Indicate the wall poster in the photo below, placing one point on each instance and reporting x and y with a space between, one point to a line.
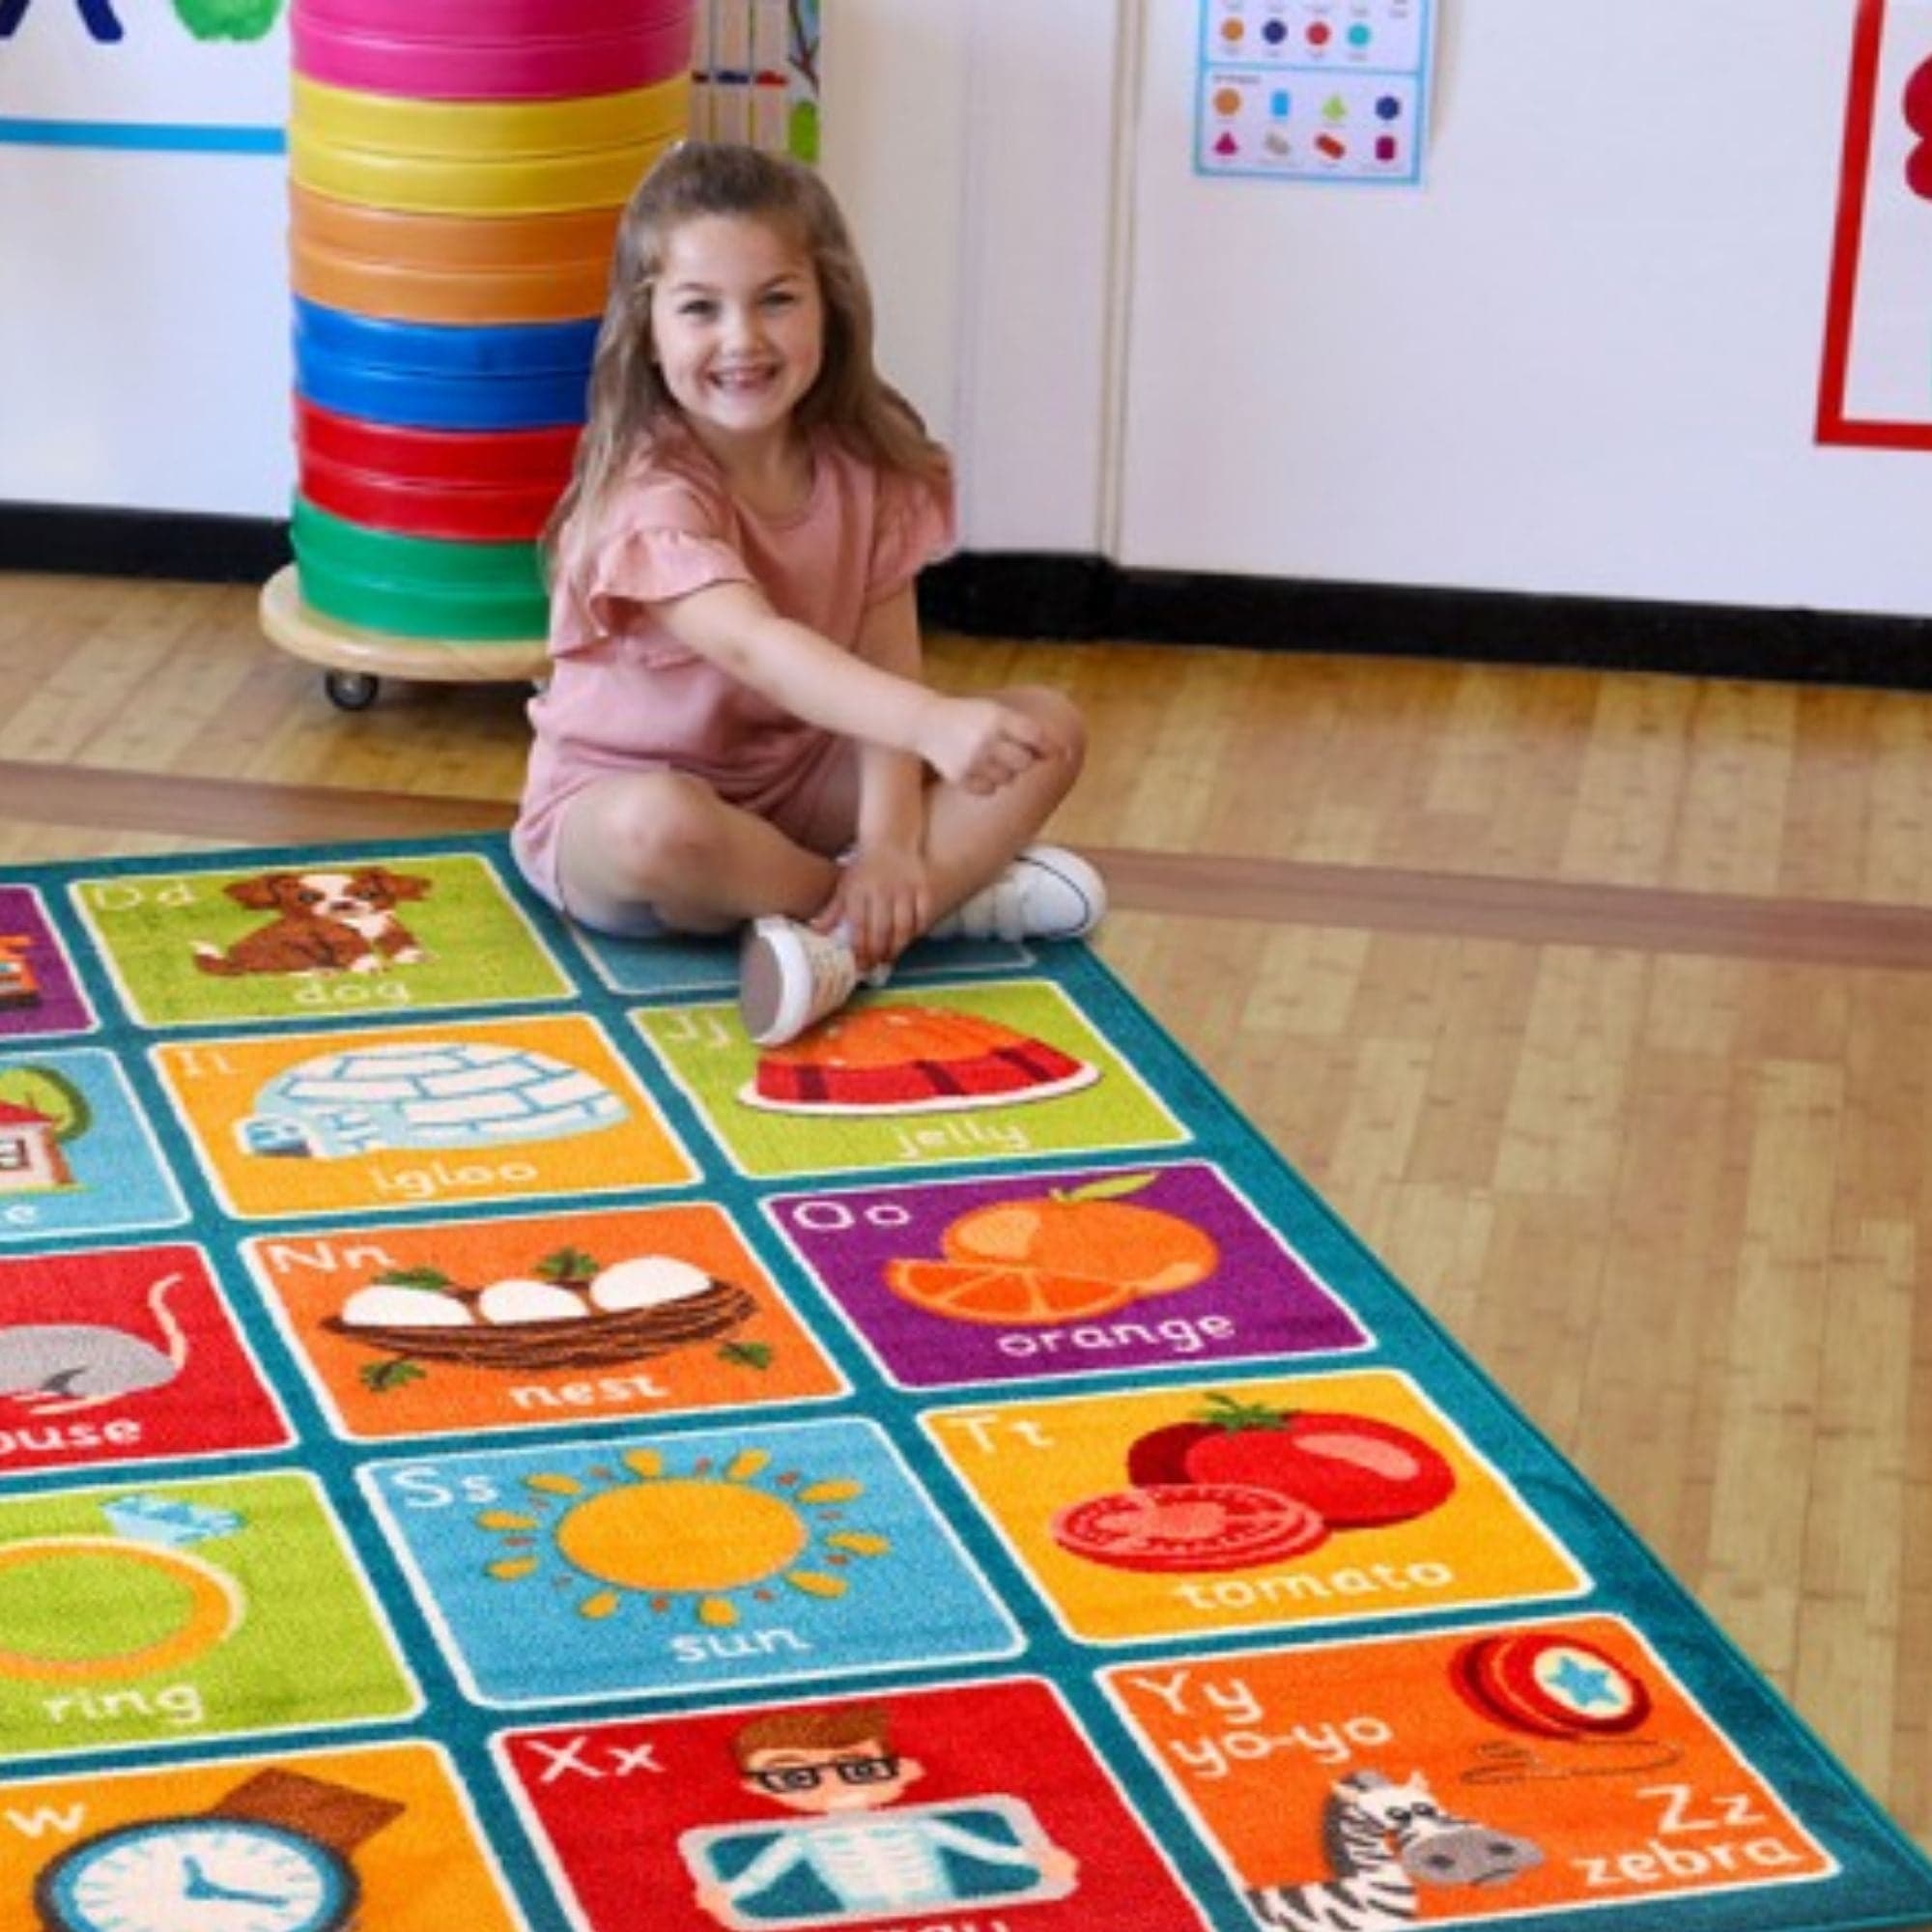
213 75
755 64
195 75
1876 385
1314 90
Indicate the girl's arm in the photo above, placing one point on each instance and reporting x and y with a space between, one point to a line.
884 897
974 741
892 789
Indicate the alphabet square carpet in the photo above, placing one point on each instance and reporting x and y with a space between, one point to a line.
481 1446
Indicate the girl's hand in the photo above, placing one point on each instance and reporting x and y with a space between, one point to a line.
883 899
981 745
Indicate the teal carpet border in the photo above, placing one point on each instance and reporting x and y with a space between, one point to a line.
900 1416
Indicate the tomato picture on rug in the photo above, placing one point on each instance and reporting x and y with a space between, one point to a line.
1152 1512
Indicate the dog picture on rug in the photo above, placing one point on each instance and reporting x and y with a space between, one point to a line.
323 922
336 934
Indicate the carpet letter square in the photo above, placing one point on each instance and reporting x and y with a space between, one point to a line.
952 1806
317 940
1192 1508
927 1078
178 1611
655 1566
124 1355
1064 1274
248 1843
1543 1767
77 1156
456 1326
39 991
314 1124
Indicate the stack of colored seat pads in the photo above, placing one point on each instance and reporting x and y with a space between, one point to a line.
457 168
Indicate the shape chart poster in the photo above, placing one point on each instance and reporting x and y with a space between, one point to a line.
1876 385
1314 90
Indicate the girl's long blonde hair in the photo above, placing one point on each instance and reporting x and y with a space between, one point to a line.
629 404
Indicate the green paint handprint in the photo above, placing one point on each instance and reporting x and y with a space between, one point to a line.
228 19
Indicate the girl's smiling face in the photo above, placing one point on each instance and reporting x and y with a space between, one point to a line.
738 327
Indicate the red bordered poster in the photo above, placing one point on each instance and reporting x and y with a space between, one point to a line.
1876 385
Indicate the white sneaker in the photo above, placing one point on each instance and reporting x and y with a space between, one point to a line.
1046 893
790 975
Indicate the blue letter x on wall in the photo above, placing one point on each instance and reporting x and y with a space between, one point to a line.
97 13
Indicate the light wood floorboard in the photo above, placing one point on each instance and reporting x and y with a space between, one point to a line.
1598 1006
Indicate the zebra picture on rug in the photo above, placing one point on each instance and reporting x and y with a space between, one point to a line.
1383 1838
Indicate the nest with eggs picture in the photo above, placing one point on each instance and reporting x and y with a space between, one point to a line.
569 1313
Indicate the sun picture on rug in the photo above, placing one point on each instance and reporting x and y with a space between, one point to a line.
720 1540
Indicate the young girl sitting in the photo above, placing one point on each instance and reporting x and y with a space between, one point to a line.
735 727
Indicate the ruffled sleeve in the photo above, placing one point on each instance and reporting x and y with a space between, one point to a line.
916 526
666 537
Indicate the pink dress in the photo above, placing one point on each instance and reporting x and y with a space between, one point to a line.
624 695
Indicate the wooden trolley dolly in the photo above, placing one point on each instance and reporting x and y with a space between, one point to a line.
456 169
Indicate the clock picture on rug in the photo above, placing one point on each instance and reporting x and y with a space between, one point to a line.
273 1856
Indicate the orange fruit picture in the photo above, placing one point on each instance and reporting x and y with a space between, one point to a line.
1089 1231
1071 1255
1002 1295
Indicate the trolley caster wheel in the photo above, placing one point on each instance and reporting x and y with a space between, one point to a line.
351 689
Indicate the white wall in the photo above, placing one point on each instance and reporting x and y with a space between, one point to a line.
144 312
894 83
972 143
143 321
1582 358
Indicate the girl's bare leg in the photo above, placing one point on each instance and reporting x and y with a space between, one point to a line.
662 844
969 839
787 980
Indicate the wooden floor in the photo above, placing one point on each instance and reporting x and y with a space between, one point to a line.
1600 1006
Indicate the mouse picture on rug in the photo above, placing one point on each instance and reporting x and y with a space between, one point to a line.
55 1368
124 1355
